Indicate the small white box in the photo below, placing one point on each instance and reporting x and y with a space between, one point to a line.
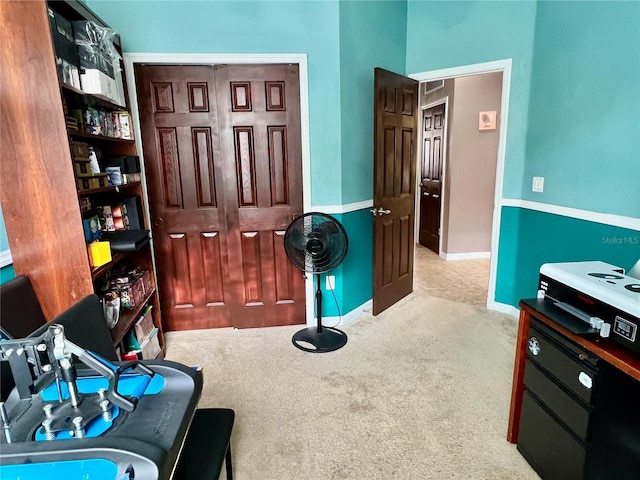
98 83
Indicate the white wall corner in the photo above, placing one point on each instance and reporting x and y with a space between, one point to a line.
505 308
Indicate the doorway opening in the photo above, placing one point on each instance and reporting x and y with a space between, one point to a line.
437 81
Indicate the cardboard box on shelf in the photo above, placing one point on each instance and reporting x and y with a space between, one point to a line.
81 168
92 181
79 151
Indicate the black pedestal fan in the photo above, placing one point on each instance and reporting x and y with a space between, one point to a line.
316 243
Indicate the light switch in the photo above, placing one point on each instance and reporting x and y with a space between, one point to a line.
538 184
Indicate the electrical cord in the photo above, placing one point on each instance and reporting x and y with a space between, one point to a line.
338 307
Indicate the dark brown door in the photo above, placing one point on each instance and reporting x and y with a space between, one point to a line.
431 177
223 163
395 129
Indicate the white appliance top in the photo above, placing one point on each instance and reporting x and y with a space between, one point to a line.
599 280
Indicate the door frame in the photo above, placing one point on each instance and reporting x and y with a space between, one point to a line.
443 195
503 66
235 58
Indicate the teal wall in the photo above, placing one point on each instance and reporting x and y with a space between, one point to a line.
273 26
584 116
548 238
7 272
354 281
583 137
445 34
372 34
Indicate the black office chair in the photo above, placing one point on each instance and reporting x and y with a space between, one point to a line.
20 310
20 314
208 446
84 324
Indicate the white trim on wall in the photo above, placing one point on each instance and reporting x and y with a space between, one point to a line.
5 258
503 66
235 58
606 218
465 256
341 209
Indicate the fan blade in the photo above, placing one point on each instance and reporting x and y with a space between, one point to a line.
298 240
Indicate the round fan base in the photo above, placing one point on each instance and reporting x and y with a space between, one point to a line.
309 340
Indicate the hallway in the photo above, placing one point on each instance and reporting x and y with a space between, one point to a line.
463 281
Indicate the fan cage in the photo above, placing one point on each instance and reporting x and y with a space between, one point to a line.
315 242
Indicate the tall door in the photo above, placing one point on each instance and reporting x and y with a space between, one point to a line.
395 131
223 161
431 177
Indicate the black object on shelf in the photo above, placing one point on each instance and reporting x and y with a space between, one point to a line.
126 240
127 164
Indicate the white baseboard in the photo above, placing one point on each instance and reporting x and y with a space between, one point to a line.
465 256
506 308
346 319
5 258
367 307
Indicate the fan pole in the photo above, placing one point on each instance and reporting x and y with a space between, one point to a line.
319 303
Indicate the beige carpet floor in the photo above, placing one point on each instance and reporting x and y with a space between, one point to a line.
421 391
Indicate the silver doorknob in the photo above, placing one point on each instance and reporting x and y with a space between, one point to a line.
378 212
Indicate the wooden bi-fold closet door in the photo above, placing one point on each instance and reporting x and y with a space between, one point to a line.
222 152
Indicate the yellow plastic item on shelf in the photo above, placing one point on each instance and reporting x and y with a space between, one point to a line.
99 253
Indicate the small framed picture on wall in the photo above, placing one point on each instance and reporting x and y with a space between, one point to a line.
487 120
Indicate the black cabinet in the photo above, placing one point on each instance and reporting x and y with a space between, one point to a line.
579 415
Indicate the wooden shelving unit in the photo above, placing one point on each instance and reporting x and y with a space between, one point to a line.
107 147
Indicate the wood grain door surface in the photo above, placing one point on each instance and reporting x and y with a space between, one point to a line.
395 150
431 177
222 151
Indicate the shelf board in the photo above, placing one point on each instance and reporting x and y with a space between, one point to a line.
128 318
111 188
91 100
98 138
102 269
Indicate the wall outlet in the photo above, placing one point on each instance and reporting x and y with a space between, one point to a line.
331 282
538 184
